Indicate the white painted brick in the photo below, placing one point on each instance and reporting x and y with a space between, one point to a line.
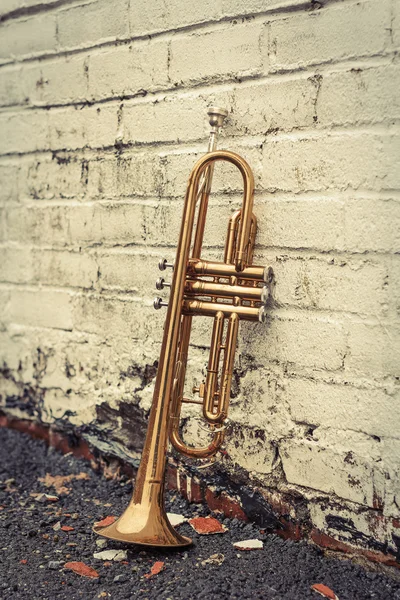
310 465
126 175
59 81
92 126
95 22
150 17
332 283
300 223
13 86
71 269
312 342
373 349
337 161
359 96
44 308
259 109
170 120
232 52
129 271
16 265
372 224
25 131
115 317
127 70
9 173
396 23
337 32
342 407
63 176
35 35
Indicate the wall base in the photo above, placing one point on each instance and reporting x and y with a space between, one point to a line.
271 513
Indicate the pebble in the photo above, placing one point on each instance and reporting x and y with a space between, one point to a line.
120 578
101 543
54 564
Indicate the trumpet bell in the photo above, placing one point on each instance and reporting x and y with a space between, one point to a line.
146 525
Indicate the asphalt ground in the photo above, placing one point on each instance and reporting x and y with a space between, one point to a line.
34 547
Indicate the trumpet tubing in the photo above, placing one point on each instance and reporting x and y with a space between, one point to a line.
227 292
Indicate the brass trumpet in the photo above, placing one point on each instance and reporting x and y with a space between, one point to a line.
226 291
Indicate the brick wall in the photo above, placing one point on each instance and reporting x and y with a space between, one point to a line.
102 115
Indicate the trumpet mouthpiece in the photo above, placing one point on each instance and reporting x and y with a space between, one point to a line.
217 116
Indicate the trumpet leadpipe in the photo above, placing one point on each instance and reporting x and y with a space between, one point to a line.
220 269
210 309
195 287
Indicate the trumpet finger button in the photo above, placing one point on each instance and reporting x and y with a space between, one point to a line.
164 264
158 303
161 284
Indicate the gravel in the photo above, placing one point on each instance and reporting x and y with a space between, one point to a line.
281 570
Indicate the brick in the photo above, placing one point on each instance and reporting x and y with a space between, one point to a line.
300 223
372 224
44 308
301 40
32 36
337 161
258 109
333 283
395 29
24 132
70 269
62 176
373 349
311 465
311 342
115 317
100 21
133 272
16 265
127 70
342 407
204 55
359 96
170 120
93 127
9 174
14 89
60 81
109 223
138 174
150 17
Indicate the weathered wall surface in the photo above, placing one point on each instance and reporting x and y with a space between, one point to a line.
102 116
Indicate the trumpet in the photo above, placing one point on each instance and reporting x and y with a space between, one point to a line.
227 291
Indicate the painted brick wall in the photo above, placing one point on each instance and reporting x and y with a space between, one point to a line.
102 115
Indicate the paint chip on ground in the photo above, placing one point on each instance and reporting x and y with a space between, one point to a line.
249 545
207 525
81 569
155 569
324 591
